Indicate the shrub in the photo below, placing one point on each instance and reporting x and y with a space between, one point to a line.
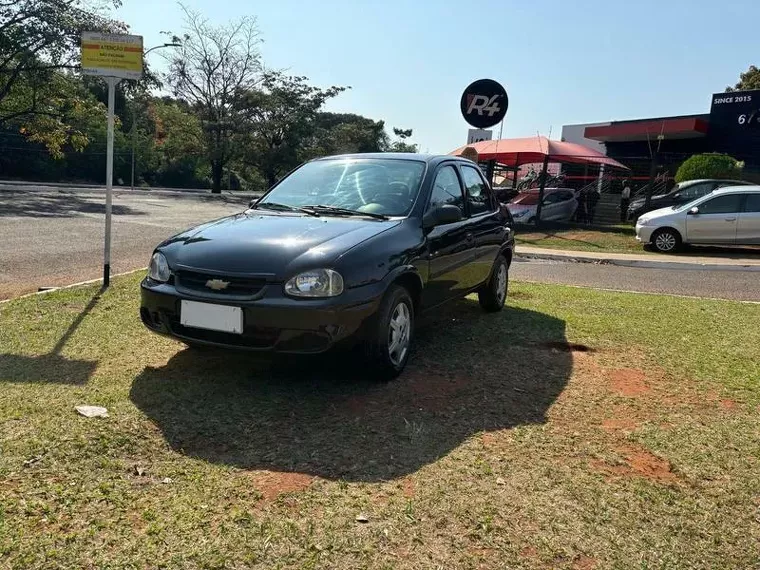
709 166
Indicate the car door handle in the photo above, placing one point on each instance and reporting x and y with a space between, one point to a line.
730 219
469 237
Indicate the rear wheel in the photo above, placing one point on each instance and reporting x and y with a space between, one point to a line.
666 240
493 294
391 339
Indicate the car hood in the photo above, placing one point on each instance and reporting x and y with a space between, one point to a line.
655 199
270 245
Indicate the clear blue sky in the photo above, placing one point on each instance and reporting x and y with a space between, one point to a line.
561 62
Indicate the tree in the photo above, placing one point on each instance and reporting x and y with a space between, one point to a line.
748 80
711 165
401 145
212 71
39 38
279 121
346 133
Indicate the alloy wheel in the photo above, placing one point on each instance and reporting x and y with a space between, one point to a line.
665 241
399 330
501 283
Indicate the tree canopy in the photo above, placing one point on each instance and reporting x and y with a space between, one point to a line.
226 122
748 80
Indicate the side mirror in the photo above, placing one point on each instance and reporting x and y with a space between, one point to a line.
446 214
694 211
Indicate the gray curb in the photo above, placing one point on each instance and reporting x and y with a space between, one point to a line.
683 265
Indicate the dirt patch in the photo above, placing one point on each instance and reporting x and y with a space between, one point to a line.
408 487
567 346
629 382
639 462
728 404
584 562
529 552
520 295
613 424
272 484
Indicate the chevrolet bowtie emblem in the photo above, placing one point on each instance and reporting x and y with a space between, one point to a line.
217 284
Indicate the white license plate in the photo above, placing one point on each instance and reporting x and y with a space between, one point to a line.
212 317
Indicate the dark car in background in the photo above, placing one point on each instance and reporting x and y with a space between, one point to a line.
681 193
344 249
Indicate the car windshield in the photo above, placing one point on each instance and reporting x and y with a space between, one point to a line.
386 187
526 199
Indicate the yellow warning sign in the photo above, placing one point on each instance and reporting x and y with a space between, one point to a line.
112 55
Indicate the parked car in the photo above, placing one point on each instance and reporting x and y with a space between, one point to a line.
728 216
680 194
559 204
344 249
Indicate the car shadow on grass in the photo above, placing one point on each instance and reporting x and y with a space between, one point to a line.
470 372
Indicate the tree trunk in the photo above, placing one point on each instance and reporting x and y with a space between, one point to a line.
271 179
216 176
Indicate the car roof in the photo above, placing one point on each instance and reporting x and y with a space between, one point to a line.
431 159
701 180
736 190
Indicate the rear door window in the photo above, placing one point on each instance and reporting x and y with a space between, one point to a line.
478 195
752 203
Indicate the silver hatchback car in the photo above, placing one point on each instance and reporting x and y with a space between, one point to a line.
728 216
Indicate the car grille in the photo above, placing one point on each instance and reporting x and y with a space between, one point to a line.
240 287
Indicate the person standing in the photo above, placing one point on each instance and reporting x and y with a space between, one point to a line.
625 200
593 200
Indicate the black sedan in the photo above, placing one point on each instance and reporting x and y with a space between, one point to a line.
344 249
679 194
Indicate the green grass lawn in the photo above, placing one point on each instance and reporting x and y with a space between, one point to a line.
612 239
576 429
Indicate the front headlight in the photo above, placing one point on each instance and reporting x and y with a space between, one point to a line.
642 221
159 268
315 283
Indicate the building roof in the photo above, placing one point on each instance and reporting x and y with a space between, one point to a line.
684 127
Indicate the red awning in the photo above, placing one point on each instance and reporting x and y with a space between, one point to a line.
515 152
677 128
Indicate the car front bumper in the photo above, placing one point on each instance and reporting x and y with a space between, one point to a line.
272 322
644 233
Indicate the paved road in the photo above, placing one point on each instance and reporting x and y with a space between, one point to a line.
55 238
737 285
50 238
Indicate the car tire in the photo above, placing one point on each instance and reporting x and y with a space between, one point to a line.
493 294
390 340
666 240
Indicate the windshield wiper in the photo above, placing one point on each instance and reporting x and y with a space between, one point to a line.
344 211
274 206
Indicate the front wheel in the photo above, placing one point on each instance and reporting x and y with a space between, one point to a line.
390 342
493 294
666 240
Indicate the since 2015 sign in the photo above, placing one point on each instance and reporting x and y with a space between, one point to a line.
484 103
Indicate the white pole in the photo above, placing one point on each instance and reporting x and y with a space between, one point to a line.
112 81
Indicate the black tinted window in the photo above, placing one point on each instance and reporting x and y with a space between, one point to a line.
753 203
446 189
477 191
695 191
728 204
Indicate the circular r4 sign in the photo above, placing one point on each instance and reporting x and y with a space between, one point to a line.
484 103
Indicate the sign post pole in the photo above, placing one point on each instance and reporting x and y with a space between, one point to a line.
112 82
113 57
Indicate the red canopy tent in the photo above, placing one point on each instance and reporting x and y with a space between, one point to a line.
516 152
